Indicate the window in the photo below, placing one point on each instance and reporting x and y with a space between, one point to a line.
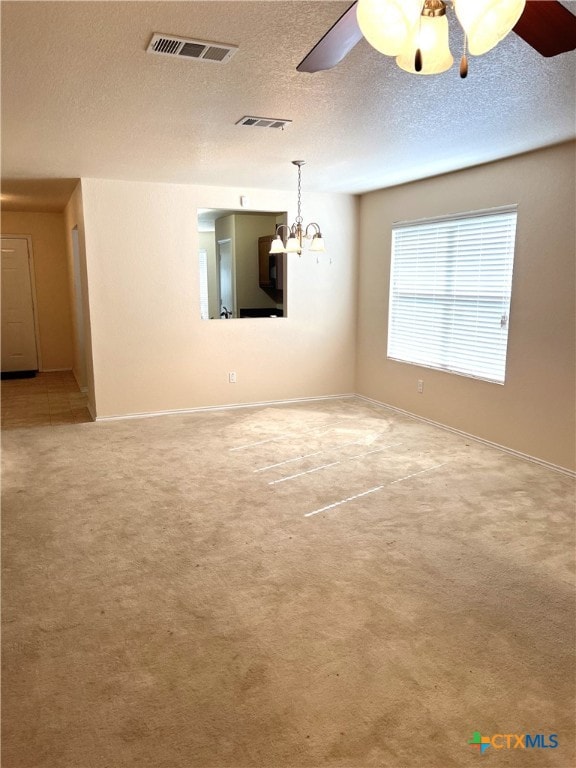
450 286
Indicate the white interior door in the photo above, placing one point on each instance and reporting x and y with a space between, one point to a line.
18 329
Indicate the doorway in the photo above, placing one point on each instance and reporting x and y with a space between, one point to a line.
19 330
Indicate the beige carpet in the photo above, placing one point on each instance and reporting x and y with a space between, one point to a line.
320 584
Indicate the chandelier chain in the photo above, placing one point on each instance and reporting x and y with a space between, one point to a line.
299 217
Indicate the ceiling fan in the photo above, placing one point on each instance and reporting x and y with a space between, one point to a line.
546 25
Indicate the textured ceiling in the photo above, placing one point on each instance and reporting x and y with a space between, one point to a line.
81 97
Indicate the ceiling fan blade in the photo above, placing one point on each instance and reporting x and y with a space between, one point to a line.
548 27
335 45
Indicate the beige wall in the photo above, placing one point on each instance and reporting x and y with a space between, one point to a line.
151 350
51 279
534 411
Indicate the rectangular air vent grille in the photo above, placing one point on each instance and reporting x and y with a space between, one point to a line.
169 45
263 122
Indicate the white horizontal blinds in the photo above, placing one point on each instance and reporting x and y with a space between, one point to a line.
203 263
450 293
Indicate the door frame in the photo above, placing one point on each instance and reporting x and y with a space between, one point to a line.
225 241
32 270
78 307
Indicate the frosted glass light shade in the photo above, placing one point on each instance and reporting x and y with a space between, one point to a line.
387 24
432 39
317 244
277 246
486 22
293 245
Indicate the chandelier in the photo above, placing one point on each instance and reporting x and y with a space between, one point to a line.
299 236
416 31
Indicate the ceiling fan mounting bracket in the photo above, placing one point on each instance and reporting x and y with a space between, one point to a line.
434 8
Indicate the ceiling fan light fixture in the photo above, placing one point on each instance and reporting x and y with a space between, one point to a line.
486 22
387 24
431 39
548 27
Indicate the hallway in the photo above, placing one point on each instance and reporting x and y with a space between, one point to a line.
48 400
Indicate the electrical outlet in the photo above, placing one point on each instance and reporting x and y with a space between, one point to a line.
420 386
232 377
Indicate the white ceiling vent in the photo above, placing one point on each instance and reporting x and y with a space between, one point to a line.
169 45
263 122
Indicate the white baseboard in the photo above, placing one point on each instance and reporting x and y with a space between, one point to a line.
229 407
467 435
235 406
